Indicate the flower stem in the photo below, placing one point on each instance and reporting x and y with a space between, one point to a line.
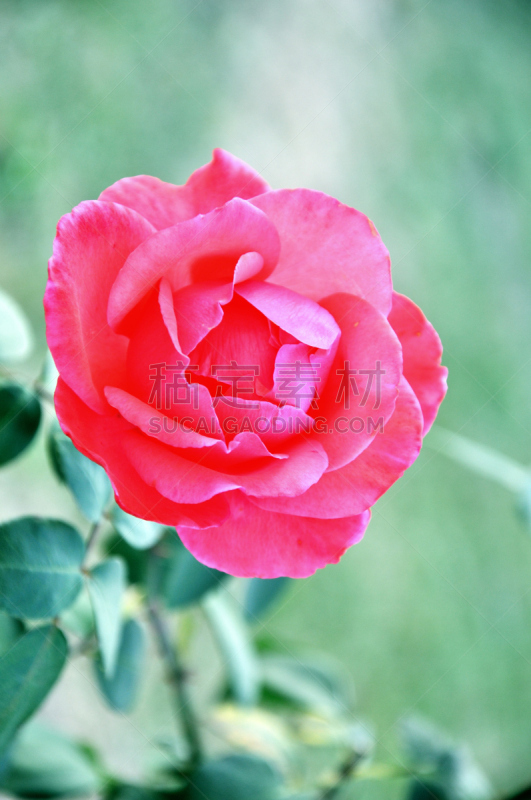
346 771
92 534
480 458
177 679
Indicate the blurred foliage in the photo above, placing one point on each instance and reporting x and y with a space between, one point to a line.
45 764
87 480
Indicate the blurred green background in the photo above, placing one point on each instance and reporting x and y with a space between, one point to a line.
417 113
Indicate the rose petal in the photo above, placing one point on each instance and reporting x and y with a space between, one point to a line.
422 351
186 481
90 248
198 309
245 454
327 247
238 351
156 375
263 544
165 204
300 375
246 451
249 265
368 361
224 178
156 423
295 377
307 321
304 466
205 248
358 485
273 423
150 346
247 447
167 310
100 438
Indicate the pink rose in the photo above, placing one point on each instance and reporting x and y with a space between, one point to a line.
237 361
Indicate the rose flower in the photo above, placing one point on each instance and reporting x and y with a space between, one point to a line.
237 361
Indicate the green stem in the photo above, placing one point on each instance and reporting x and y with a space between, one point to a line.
177 679
92 535
479 458
346 772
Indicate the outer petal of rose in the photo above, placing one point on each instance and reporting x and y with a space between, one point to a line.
204 248
185 481
90 248
99 437
327 247
367 343
357 486
163 204
422 351
309 322
264 544
213 185
222 179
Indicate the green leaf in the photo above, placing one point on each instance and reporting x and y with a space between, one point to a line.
43 763
316 685
16 339
425 790
86 480
10 631
261 593
79 617
302 796
136 561
20 415
238 777
121 690
451 768
127 791
40 562
27 673
188 581
106 585
234 642
160 563
139 533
